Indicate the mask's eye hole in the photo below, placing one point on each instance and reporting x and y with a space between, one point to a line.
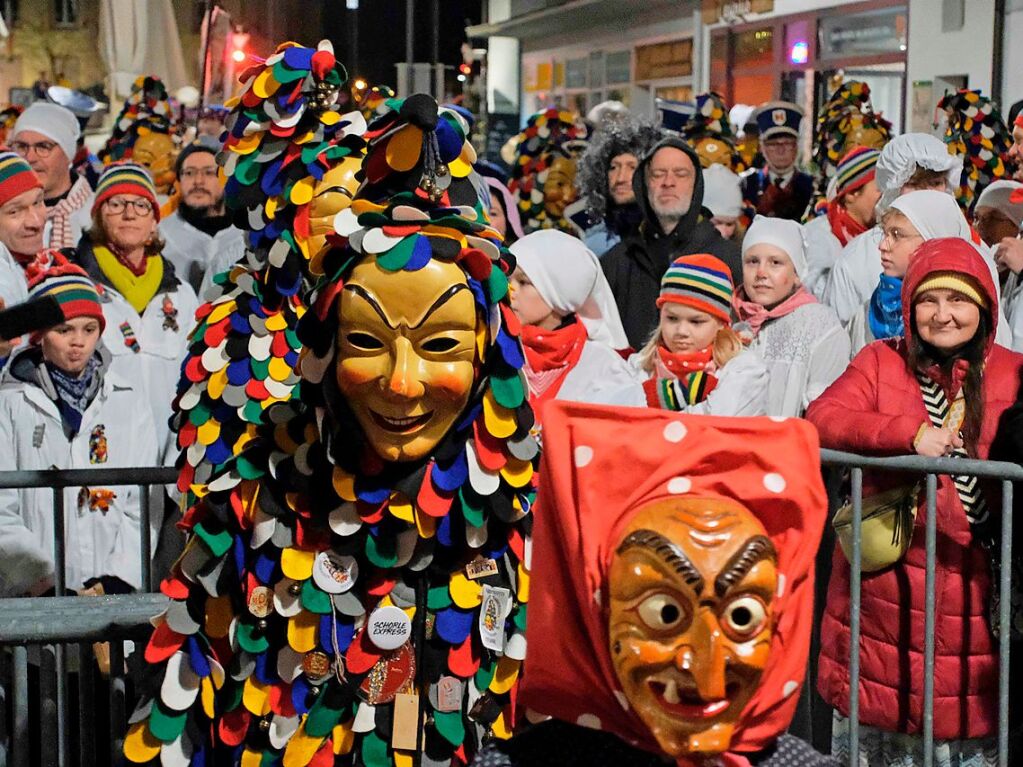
744 617
439 345
661 612
364 341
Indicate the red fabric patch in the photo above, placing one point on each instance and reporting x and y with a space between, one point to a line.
400 231
215 334
369 513
163 644
325 756
233 726
280 346
512 324
362 654
476 262
464 660
256 390
489 449
280 699
194 371
430 500
174 587
379 585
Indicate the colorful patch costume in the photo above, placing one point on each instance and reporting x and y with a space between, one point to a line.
710 134
332 594
543 176
977 132
144 132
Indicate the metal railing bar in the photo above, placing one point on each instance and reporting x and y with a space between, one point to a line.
32 620
144 539
5 692
931 544
854 618
35 478
48 746
86 702
1004 615
118 701
920 465
20 690
59 554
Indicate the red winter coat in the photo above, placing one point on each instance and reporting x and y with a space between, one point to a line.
875 408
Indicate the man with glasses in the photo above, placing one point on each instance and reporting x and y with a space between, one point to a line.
200 227
669 190
779 189
46 135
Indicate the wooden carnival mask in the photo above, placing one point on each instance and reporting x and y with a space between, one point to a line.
692 583
559 187
331 195
155 152
713 151
408 351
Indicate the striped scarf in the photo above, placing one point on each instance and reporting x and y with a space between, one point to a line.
61 234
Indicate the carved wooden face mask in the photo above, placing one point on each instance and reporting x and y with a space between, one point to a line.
559 188
407 354
692 582
332 194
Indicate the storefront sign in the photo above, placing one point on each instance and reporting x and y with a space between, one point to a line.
663 60
714 11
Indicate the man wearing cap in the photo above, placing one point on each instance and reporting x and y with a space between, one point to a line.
200 227
669 189
22 222
46 135
779 189
852 195
997 218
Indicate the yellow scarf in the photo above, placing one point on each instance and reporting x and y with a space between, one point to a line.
139 291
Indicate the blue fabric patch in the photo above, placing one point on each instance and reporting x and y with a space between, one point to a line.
453 625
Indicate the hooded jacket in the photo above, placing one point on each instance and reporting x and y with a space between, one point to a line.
634 267
876 408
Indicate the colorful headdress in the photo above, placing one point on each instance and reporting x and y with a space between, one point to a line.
977 132
371 102
146 109
548 136
710 134
845 121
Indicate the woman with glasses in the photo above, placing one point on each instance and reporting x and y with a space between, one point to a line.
911 220
150 309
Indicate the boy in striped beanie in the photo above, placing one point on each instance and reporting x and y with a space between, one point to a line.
853 193
52 275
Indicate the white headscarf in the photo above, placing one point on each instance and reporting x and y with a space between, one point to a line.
722 191
998 195
934 214
782 233
568 277
901 157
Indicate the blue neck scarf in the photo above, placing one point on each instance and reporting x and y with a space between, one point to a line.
885 310
74 393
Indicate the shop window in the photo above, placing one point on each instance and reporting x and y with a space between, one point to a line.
675 93
753 89
663 60
575 73
597 69
863 34
65 13
754 48
618 67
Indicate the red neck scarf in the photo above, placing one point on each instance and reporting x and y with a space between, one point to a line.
550 355
843 226
755 315
676 365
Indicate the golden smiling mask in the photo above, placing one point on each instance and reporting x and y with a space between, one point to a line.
692 582
407 354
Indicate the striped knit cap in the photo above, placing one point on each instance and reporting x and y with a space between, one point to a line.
700 281
16 177
855 169
957 281
125 178
53 275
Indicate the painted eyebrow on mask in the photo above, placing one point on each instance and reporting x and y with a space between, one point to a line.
755 550
442 299
671 553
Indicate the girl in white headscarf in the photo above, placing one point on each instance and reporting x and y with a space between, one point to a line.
800 340
570 324
909 221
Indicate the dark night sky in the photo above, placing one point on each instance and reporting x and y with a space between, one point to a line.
382 33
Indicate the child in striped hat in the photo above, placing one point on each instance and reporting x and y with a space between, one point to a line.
693 361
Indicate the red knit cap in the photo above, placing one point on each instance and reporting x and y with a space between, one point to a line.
16 177
51 274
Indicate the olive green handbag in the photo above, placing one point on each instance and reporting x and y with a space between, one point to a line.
887 528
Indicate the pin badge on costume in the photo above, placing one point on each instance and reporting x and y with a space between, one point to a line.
389 627
37 435
481 567
98 445
261 602
778 116
494 607
449 694
335 573
316 666
389 676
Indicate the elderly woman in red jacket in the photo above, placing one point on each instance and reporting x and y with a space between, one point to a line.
877 408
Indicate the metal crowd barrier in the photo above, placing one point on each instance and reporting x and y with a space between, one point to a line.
931 468
54 623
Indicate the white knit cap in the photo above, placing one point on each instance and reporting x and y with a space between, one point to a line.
722 191
568 277
996 195
53 121
782 233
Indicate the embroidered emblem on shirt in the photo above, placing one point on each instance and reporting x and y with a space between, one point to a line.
98 445
98 499
170 315
37 435
129 337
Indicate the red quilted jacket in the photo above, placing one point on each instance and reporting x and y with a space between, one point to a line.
875 408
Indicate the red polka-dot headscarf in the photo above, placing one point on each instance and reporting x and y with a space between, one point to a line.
600 466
